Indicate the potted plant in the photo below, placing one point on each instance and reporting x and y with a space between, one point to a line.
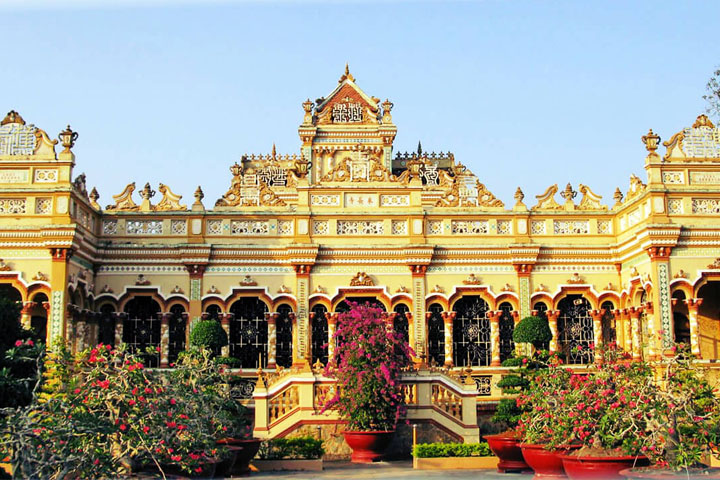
534 332
606 411
688 430
367 364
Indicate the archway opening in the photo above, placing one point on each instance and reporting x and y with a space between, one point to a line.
249 332
575 329
471 332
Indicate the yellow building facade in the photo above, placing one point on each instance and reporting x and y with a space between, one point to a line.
296 237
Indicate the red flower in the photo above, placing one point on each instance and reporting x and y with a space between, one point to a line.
18 343
123 427
176 458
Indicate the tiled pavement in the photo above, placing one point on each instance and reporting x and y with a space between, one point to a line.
387 471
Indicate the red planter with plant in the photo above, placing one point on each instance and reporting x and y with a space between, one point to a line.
506 447
588 467
368 447
545 463
367 363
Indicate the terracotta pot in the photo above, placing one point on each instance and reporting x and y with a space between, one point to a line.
600 468
225 467
506 448
664 474
368 447
545 463
247 451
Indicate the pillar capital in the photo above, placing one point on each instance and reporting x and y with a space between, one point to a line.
523 269
658 253
418 270
693 303
302 268
448 316
634 312
493 316
553 314
61 254
196 270
597 313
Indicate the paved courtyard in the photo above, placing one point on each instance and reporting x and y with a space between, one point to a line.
388 471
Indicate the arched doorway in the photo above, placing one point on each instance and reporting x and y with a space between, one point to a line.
319 334
284 340
436 335
177 324
507 327
141 328
708 319
471 332
542 308
106 325
401 324
575 329
38 317
249 332
609 332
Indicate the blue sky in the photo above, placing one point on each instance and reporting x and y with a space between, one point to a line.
524 93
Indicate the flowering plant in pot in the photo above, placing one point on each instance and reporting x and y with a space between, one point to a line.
607 411
367 363
529 332
688 429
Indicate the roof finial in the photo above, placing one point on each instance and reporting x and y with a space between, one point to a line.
347 75
274 152
419 151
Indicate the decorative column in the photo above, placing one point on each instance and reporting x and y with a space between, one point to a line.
597 330
196 272
494 318
418 337
57 322
523 271
448 320
225 323
271 319
655 337
693 305
25 317
661 321
390 320
552 316
332 319
626 330
302 344
165 339
634 313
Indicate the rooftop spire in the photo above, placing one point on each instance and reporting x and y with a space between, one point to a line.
347 75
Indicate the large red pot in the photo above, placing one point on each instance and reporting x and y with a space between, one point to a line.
368 447
250 447
506 447
600 468
546 463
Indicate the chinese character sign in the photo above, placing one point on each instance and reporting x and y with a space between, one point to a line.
347 113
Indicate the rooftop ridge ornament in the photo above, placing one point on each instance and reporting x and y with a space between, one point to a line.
347 75
546 201
169 201
651 141
590 199
67 137
703 121
12 117
123 200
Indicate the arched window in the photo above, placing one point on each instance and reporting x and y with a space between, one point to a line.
284 340
436 335
141 328
609 334
248 332
319 334
213 312
401 324
542 309
575 329
507 326
106 325
471 332
177 332
38 318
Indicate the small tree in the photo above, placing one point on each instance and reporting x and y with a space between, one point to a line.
533 330
713 95
208 334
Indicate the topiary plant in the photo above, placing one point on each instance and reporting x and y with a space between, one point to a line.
532 330
208 334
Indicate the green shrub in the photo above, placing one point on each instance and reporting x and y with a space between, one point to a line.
208 334
513 384
231 362
433 450
295 448
533 330
512 362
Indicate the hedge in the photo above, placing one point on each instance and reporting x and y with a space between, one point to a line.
433 450
294 448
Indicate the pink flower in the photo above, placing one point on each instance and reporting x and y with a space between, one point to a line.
18 343
29 343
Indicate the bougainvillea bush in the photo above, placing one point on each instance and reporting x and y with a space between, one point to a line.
367 362
103 412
